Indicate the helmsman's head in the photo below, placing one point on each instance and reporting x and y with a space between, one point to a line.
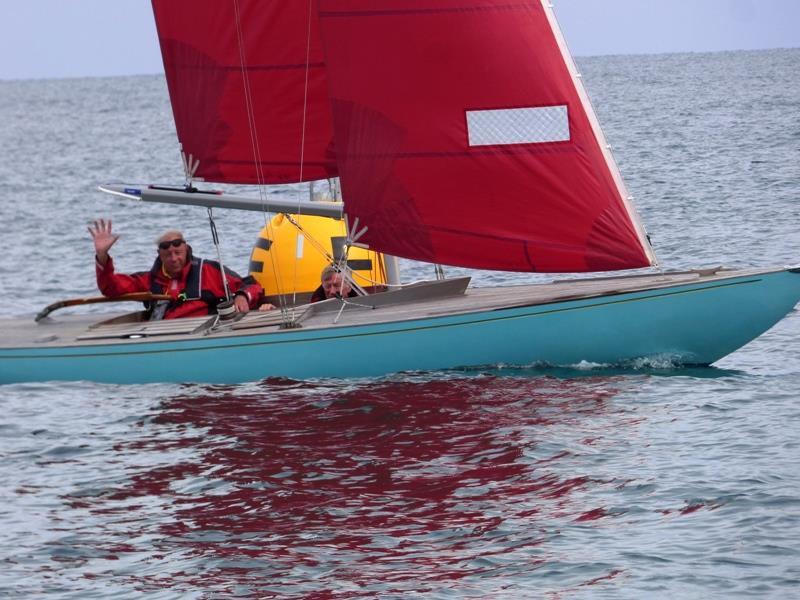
173 251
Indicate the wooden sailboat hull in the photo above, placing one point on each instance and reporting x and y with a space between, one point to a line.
683 319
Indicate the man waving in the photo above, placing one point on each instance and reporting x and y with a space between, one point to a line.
195 284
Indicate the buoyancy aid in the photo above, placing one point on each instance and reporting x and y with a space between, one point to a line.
193 289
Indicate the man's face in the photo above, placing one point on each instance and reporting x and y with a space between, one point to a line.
173 257
335 284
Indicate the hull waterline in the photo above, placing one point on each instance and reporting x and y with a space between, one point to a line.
697 323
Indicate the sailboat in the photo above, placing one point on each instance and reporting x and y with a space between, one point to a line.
461 134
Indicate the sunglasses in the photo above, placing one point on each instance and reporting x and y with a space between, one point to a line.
174 243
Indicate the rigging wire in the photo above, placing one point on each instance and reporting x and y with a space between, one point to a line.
303 135
256 150
215 239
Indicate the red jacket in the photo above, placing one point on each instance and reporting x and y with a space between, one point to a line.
196 292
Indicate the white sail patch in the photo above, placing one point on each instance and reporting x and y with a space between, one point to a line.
529 125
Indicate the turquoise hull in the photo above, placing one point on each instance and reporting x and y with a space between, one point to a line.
695 323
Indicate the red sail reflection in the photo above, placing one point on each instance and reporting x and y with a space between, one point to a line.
333 490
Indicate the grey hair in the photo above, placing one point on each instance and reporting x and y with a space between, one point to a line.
169 233
327 272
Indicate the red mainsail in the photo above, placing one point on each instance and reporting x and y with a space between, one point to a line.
248 90
463 138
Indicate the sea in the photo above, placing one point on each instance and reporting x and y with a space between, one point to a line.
558 482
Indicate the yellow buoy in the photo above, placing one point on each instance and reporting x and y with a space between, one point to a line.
288 259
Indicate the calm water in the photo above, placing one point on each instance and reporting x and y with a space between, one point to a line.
552 483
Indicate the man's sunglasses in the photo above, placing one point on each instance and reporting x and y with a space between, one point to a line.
174 243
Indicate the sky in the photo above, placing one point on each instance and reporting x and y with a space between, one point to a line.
80 38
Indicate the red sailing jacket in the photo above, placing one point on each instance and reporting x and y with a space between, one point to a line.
196 292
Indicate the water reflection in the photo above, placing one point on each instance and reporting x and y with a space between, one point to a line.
410 485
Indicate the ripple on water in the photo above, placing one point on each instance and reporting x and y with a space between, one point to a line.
592 481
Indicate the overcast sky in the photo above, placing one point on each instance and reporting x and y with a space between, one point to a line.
76 38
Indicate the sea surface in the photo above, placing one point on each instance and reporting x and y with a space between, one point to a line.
584 481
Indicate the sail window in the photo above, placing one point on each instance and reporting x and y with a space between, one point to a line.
530 125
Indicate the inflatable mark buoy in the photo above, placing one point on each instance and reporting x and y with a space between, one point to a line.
286 260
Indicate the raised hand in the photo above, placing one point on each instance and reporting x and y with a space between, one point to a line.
103 239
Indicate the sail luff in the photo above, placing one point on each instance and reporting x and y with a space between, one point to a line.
605 147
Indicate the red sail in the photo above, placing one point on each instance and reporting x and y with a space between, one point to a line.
462 138
205 45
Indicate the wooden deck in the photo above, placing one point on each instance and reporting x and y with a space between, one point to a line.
418 301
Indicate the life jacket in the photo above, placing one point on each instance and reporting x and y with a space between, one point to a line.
193 289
